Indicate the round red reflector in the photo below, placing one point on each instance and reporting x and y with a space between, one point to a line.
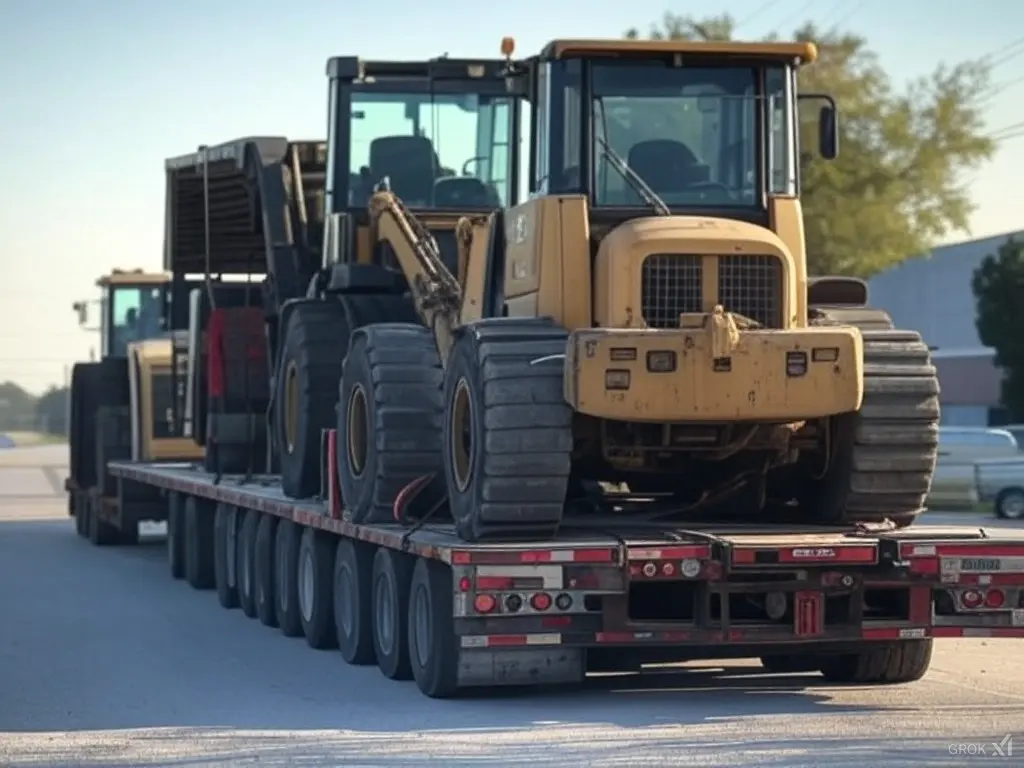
465 584
972 598
995 598
541 601
484 603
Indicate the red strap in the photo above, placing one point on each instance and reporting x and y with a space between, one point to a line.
215 353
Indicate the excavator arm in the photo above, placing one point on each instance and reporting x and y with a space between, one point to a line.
437 294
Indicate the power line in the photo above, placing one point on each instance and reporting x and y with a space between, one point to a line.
766 6
796 14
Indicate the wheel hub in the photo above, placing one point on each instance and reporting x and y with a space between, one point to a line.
292 398
383 615
306 586
357 430
461 439
1013 506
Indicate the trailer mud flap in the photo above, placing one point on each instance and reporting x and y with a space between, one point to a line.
520 666
808 613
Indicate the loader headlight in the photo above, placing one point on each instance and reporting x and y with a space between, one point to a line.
662 361
796 363
615 379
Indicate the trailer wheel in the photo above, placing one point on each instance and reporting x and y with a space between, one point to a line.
101 533
885 663
245 557
287 541
314 343
227 592
353 615
433 652
1010 504
788 664
176 535
316 577
389 417
199 516
507 429
263 570
81 515
392 577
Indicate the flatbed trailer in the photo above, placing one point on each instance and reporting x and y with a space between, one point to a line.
859 605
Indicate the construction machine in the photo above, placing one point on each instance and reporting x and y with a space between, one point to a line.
645 317
282 231
122 405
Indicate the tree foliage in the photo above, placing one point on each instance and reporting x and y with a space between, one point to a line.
998 285
897 186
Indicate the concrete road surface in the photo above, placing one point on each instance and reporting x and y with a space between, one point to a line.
104 660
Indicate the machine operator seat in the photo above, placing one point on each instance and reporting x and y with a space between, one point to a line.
409 162
667 165
464 192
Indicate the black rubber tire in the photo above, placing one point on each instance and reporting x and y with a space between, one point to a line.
227 592
81 515
395 372
885 454
435 665
176 534
287 541
245 562
519 429
101 534
883 663
199 514
789 664
389 599
353 617
93 386
315 341
263 570
316 553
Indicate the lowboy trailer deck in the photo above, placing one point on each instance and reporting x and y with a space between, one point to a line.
860 605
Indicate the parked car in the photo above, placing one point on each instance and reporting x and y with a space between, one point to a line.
1001 481
959 448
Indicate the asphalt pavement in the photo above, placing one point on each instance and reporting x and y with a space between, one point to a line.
104 660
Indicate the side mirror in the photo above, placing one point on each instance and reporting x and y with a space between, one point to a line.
82 308
828 124
828 132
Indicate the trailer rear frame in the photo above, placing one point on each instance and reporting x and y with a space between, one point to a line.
599 599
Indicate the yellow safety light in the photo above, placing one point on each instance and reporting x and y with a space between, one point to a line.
508 46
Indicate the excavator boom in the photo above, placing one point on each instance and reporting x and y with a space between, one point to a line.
436 292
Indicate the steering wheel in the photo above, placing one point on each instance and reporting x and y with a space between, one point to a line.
465 165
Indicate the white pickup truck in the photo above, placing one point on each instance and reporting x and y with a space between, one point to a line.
1001 481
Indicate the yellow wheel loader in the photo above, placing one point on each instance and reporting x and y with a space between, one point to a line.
123 405
645 318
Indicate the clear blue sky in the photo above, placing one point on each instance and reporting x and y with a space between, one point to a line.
94 94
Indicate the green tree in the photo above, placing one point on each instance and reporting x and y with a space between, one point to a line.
16 407
998 285
52 411
897 186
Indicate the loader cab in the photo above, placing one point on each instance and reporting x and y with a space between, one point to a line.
711 128
134 308
444 133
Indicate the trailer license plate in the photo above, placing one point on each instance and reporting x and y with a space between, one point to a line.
1017 617
980 564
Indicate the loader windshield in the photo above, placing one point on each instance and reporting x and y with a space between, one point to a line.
700 136
437 150
134 313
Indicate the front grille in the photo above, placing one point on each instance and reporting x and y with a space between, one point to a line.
752 286
671 286
748 285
